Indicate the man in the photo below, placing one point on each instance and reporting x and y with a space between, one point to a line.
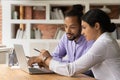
72 45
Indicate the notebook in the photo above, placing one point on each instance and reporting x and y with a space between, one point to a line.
22 61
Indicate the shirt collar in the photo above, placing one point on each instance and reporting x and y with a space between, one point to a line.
81 38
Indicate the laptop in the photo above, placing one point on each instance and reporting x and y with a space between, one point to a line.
22 61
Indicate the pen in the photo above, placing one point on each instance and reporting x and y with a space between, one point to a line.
27 57
37 50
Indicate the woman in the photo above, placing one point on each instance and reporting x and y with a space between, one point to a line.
104 55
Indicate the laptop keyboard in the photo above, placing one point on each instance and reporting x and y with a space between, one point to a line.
39 70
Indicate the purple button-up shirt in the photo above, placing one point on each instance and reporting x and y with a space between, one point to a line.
73 50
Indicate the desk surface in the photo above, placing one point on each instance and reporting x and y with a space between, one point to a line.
6 73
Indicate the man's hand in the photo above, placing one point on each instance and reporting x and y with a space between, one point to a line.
45 53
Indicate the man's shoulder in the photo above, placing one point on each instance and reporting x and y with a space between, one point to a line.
64 37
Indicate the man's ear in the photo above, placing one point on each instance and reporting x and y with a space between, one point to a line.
97 26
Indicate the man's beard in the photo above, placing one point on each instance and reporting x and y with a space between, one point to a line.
73 37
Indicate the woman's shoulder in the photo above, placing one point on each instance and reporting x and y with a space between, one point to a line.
105 37
106 40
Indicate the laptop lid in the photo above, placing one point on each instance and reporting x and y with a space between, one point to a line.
23 61
21 57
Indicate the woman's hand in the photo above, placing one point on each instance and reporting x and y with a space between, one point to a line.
40 60
33 60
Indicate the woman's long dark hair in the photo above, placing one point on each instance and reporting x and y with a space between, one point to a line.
96 15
